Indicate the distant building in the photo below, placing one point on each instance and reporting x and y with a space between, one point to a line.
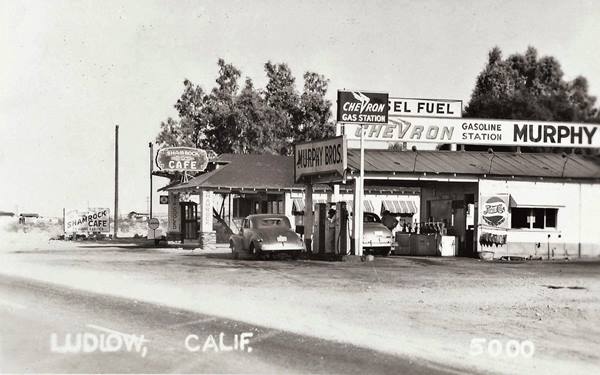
137 215
30 215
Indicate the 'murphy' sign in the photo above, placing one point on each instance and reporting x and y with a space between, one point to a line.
362 107
480 132
320 157
181 159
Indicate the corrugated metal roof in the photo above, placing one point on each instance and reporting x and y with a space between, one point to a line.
260 172
478 163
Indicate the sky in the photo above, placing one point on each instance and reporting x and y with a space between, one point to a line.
71 70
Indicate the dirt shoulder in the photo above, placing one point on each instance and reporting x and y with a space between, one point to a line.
429 308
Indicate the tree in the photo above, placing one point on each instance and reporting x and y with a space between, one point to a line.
527 87
249 120
223 128
315 109
281 95
172 134
189 130
257 122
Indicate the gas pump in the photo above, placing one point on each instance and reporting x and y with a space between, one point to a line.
330 235
319 228
341 229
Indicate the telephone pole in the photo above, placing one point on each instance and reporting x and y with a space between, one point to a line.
116 213
151 170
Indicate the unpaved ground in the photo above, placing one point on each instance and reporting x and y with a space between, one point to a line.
424 307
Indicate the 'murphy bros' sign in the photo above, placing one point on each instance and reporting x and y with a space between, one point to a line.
362 107
181 159
480 131
320 157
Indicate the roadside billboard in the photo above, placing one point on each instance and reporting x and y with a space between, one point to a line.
479 132
94 220
362 107
327 156
410 107
181 159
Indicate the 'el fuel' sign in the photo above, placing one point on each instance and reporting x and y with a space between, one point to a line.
407 107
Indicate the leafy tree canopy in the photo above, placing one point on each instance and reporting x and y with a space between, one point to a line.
250 120
525 86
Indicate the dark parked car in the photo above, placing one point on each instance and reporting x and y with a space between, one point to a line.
265 235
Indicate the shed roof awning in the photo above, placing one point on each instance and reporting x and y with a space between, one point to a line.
399 206
299 204
367 206
525 199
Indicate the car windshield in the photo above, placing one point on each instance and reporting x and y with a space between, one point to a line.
273 222
369 217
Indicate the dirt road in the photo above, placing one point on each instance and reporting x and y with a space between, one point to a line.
429 308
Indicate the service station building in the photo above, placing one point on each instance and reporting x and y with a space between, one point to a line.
486 204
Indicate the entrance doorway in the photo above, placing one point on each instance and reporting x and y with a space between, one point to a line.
469 215
189 220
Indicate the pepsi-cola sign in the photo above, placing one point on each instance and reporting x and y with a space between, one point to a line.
494 211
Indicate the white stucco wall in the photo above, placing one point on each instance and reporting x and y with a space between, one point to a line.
578 216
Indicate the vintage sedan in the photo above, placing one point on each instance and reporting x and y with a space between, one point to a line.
377 238
265 235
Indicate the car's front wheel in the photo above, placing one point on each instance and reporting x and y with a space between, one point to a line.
234 253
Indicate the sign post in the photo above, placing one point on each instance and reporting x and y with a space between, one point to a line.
153 224
361 108
361 196
150 145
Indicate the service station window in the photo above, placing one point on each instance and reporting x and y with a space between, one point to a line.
533 218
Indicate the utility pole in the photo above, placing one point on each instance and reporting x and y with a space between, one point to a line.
116 213
151 170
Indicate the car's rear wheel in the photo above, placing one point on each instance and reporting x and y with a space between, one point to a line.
255 252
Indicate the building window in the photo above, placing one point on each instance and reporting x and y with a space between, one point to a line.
518 217
551 214
533 218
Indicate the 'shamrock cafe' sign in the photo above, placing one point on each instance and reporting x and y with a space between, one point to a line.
320 157
181 159
95 220
480 131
